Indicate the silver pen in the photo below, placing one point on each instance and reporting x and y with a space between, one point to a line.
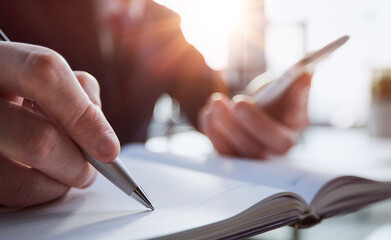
115 171
118 174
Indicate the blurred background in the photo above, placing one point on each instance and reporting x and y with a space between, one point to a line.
349 100
243 38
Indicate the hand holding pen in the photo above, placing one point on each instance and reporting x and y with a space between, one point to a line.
47 113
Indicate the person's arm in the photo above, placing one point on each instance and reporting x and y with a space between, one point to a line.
153 46
165 52
45 110
235 127
179 69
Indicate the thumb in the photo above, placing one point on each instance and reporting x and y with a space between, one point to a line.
291 108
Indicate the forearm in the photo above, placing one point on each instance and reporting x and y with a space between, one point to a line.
197 82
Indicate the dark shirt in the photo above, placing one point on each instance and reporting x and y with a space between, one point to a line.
149 58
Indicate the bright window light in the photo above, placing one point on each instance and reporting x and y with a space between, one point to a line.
208 24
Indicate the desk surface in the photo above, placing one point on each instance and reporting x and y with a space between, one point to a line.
318 148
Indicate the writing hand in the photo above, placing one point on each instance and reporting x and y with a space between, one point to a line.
39 158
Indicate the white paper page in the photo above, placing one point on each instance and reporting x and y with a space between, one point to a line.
183 199
263 172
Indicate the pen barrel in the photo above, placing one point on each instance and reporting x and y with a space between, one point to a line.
116 172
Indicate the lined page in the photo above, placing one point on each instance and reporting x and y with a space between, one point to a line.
260 172
183 199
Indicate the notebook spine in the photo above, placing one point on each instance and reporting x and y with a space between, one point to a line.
308 219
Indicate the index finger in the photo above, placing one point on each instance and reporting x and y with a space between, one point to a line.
43 76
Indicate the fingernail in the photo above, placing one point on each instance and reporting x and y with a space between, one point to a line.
238 98
242 113
108 144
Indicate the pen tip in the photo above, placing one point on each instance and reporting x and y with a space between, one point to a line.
142 198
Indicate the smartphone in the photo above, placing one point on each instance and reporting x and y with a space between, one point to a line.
264 89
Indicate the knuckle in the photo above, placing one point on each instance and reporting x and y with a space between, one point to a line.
45 64
87 119
40 142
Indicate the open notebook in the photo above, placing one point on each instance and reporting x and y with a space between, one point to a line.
195 198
